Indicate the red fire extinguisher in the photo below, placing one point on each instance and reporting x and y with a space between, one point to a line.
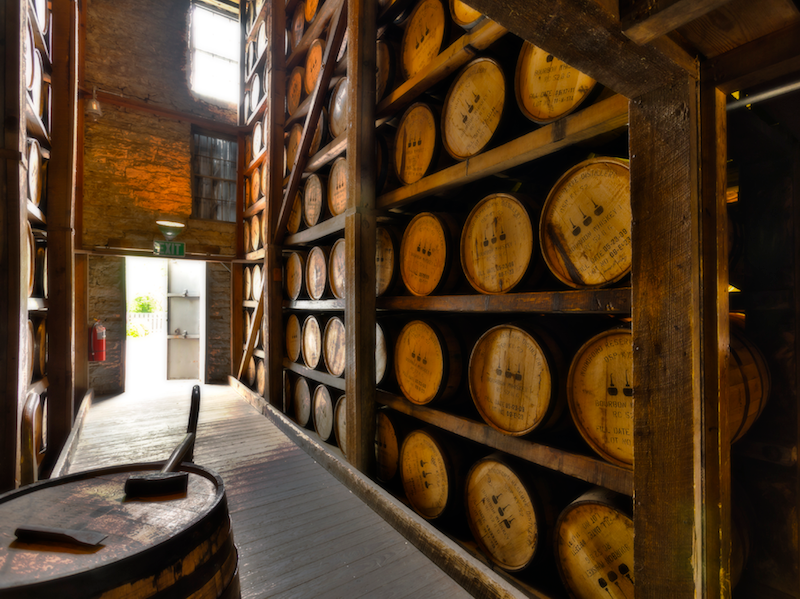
97 343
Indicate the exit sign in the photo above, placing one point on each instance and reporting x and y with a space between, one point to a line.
169 248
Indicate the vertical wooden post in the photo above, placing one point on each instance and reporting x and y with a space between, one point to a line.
680 339
273 127
360 234
60 225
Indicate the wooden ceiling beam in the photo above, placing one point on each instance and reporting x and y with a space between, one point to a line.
588 37
645 22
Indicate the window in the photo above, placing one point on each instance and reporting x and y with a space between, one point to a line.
215 54
213 177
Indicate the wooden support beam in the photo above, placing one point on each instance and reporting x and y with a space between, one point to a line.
756 62
360 236
312 118
600 49
644 22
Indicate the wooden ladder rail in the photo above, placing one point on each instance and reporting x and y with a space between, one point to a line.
301 159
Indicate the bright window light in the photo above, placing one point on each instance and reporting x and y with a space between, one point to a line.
215 55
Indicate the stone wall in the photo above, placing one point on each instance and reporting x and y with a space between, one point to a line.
107 303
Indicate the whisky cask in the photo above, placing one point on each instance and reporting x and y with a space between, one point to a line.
30 251
316 273
474 108
295 272
255 232
416 144
464 16
257 283
30 348
427 263
312 342
337 187
246 246
258 139
29 45
383 354
585 227
296 214
261 40
40 349
310 10
385 68
516 375
293 338
499 245
314 199
424 37
298 25
295 92
261 378
594 546
295 137
428 362
247 319
547 88
41 286
387 250
313 66
323 410
749 380
37 90
255 186
251 372
334 346
337 108
391 429
431 473
337 263
340 423
506 513
140 556
35 172
301 402
600 394
255 92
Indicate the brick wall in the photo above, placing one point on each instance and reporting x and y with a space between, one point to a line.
218 328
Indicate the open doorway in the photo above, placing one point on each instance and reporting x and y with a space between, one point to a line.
165 321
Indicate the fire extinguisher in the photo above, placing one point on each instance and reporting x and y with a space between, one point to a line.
97 343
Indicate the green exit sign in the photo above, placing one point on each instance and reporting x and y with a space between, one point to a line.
169 248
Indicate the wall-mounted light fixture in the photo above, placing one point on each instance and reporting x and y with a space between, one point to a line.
170 229
93 106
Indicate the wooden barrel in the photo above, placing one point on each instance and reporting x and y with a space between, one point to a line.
298 24
428 362
255 232
293 337
314 199
594 546
256 286
301 405
430 473
323 413
390 432
546 87
261 378
42 286
749 381
251 372
497 244
387 249
29 45
506 514
416 143
516 379
247 320
287 397
313 65
261 39
310 10
295 270
35 172
337 109
295 135
31 355
30 256
312 342
246 246
258 139
585 227
385 67
37 90
336 268
340 423
139 555
473 108
317 272
294 89
600 394
426 254
255 91
337 186
255 186
40 349
383 354
424 37
464 16
334 347
296 214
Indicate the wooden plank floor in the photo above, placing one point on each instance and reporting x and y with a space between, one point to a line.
300 533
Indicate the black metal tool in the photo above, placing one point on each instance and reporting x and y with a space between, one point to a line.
167 481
